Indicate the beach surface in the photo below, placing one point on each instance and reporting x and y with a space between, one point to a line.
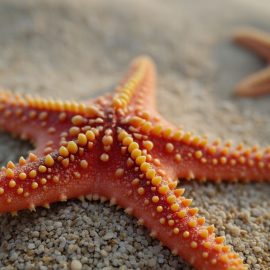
81 49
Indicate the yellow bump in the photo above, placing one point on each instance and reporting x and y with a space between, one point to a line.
135 121
155 199
179 192
22 176
177 157
156 130
193 211
65 162
73 131
178 135
217 248
136 153
167 133
122 135
12 184
127 141
156 180
43 181
117 103
185 234
163 189
198 154
192 223
162 221
171 199
63 151
203 234
32 173
171 222
224 258
172 185
193 244
10 165
62 116
201 220
49 161
150 173
159 209
34 185
82 139
32 157
223 160
42 169
119 172
104 157
169 147
148 145
226 248
233 162
181 214
186 138
84 164
72 147
174 207
107 140
139 160
9 173
212 150
133 146
214 161
77 120
135 181
22 161
196 141
207 244
20 190
211 229
90 135
145 166
176 231
141 190
186 202
146 126
205 254
1 191
220 239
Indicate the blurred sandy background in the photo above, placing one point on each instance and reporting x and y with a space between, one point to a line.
80 49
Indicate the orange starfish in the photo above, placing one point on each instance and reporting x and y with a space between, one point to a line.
118 147
259 82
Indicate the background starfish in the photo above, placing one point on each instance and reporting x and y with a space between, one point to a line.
259 42
119 148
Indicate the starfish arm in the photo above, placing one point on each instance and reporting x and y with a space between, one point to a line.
39 120
255 40
137 90
194 157
255 85
72 171
166 213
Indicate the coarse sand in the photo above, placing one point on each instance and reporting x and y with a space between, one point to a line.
80 49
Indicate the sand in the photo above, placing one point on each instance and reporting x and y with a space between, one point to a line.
80 49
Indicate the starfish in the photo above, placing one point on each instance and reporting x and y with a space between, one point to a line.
118 148
258 83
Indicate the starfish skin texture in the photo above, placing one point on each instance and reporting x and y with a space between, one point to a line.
259 42
118 148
